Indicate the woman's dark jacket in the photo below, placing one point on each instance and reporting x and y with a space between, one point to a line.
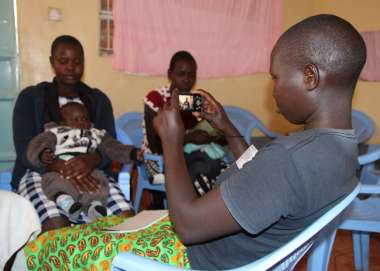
37 105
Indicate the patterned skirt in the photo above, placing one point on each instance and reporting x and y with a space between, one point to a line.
89 247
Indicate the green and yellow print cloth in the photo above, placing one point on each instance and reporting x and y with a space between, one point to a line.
87 247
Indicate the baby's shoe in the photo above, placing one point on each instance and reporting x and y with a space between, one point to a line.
71 207
96 209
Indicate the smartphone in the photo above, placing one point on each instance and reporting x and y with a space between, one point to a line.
190 102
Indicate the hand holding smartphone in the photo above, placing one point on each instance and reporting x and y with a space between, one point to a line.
190 102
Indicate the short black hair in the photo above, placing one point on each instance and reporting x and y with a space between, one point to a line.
65 39
73 105
181 55
329 42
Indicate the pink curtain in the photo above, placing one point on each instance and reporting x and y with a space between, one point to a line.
371 70
226 37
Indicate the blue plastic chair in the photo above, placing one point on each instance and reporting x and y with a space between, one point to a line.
369 174
124 177
363 126
5 180
317 238
363 217
129 127
131 124
246 123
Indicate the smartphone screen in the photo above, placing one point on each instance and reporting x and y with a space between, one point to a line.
190 102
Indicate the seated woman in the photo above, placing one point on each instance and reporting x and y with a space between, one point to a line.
38 105
205 163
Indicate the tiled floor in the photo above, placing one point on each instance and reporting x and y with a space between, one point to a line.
342 258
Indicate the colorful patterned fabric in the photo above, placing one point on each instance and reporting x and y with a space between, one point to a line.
87 247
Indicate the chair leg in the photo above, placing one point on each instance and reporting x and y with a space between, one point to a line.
138 196
364 238
358 255
318 259
361 250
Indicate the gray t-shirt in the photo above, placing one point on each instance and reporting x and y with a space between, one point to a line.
285 187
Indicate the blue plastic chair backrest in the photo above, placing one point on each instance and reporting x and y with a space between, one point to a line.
131 124
246 122
125 173
363 126
123 137
5 180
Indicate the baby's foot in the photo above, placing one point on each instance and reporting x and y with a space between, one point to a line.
71 207
96 209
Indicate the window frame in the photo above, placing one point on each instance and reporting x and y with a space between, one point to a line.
105 27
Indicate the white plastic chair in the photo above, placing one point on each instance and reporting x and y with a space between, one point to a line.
318 238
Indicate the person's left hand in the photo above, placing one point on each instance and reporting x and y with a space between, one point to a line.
81 166
168 122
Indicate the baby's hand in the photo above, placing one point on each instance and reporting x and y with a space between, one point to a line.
140 155
47 156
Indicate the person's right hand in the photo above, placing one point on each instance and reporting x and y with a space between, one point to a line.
168 122
82 165
212 111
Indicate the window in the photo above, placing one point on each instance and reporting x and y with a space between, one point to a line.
106 28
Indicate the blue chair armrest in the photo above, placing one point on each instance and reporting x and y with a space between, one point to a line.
372 155
370 189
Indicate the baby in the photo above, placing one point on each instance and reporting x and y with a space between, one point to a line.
72 137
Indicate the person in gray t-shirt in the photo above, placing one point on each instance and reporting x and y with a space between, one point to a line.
286 186
262 202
